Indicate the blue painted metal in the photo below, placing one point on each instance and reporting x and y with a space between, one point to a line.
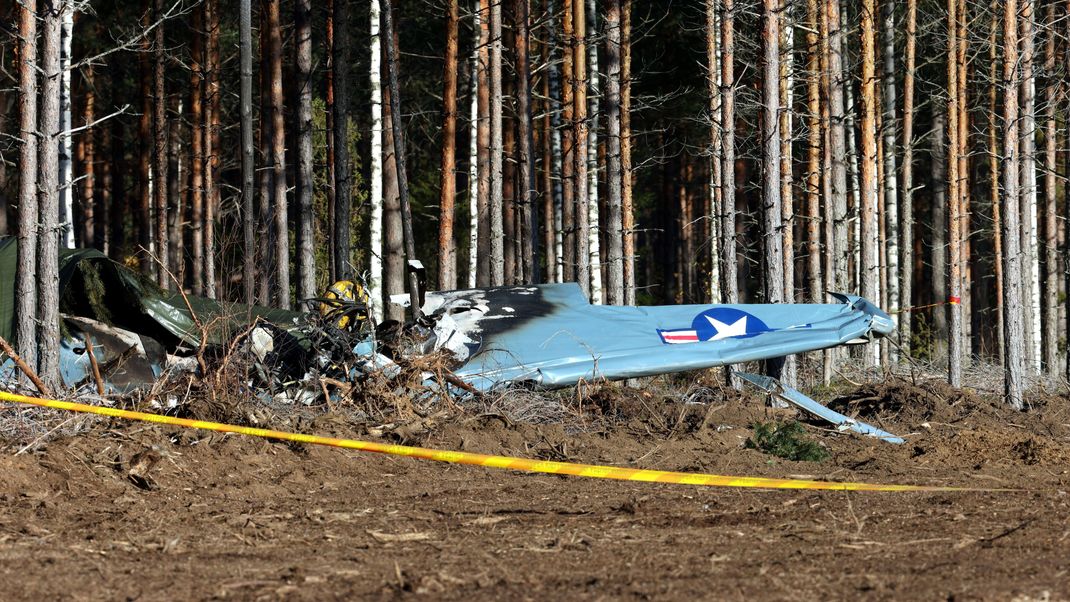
774 387
551 336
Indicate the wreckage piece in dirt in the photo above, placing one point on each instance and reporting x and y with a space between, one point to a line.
551 336
130 322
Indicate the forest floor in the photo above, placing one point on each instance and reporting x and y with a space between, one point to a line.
230 517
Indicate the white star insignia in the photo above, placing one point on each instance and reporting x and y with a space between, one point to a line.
724 331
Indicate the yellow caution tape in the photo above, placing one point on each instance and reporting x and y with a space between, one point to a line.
459 457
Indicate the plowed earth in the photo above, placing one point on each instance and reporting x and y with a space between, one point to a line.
225 517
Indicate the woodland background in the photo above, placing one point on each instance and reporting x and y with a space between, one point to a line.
674 151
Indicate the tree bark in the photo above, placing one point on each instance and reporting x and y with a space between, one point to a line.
1051 176
196 194
484 149
66 179
890 218
278 159
495 205
955 343
48 239
773 234
869 226
994 173
447 259
28 231
614 175
580 143
1014 335
728 170
786 117
212 137
475 185
713 92
377 199
88 146
1028 190
568 146
342 184
159 150
593 246
306 257
628 214
813 152
247 163
906 247
144 155
837 149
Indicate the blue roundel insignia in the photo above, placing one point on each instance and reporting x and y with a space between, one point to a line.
725 322
715 324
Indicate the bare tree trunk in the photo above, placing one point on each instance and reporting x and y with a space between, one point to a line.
247 164
474 171
730 286
891 193
28 232
278 159
527 198
813 152
614 236
266 247
1014 336
377 199
399 149
144 155
212 138
447 259
964 184
938 227
628 214
786 116
66 179
393 234
1028 192
1051 176
568 134
175 175
484 148
306 257
773 236
48 239
580 142
955 343
593 84
838 149
88 144
906 247
713 90
159 151
343 257
994 173
495 205
869 226
196 195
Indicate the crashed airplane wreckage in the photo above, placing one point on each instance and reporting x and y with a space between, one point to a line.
545 336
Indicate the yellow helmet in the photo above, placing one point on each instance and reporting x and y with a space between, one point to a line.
343 303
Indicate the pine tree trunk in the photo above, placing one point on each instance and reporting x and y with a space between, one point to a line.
343 257
568 135
88 144
483 203
837 149
144 155
266 246
580 142
447 259
1051 176
306 257
1014 335
713 91
196 194
868 184
495 204
175 174
628 214
813 152
994 176
1028 191
278 159
730 287
773 237
48 239
247 165
906 246
787 121
955 346
212 137
28 231
528 194
393 235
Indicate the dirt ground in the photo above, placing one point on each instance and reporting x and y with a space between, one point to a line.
226 517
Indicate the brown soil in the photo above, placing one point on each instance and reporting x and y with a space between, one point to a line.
208 516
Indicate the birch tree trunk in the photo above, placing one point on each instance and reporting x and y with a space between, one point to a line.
66 180
594 85
306 258
713 90
28 232
48 238
869 227
245 26
1014 335
376 199
447 260
495 206
891 192
474 172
